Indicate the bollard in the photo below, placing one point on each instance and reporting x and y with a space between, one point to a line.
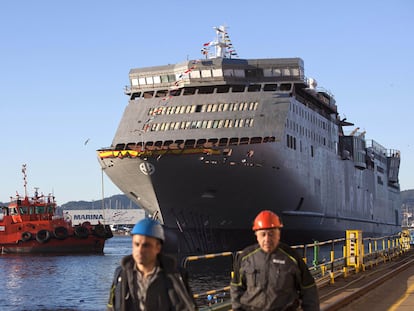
315 261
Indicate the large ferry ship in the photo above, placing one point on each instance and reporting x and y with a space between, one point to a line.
204 145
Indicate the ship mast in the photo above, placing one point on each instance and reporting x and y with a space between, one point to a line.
223 48
24 180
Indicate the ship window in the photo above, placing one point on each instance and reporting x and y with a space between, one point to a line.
158 143
173 146
204 124
237 88
228 72
217 72
195 74
286 71
277 72
254 88
270 87
256 140
135 95
176 92
148 94
244 140
134 82
223 141
130 146
157 79
295 71
213 141
150 80
206 73
161 93
179 141
120 147
164 79
201 142
142 81
239 73
223 89
171 78
234 141
189 143
189 91
206 90
198 108
167 143
285 87
254 73
215 124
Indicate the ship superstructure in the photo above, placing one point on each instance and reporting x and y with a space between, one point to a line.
204 145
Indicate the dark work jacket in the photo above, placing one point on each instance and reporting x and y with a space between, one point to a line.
168 291
272 282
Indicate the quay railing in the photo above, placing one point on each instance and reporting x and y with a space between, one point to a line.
326 260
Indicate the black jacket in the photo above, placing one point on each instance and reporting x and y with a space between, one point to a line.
169 291
272 282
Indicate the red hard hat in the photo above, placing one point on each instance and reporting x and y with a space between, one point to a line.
266 220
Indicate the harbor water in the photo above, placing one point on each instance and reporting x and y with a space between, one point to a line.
80 282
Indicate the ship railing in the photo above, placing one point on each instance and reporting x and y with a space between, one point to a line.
327 261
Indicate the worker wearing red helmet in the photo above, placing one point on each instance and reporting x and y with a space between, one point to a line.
270 275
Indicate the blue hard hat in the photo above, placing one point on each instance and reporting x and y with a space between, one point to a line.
149 227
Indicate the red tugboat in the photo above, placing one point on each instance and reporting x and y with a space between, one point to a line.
29 225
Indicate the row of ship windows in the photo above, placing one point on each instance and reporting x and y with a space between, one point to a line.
213 89
316 137
307 115
215 73
203 108
291 143
199 143
198 124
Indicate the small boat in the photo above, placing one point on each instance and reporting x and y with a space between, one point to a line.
31 225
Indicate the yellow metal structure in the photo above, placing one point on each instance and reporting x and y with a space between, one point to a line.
354 249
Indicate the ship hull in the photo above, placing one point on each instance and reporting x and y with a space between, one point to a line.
71 245
208 202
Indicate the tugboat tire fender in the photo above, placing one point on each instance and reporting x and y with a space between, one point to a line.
81 232
26 236
42 236
60 233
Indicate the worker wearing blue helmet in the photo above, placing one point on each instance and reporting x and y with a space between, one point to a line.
147 279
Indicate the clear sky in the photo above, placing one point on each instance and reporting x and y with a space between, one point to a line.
64 64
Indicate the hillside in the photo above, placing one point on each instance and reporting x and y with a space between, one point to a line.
118 201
